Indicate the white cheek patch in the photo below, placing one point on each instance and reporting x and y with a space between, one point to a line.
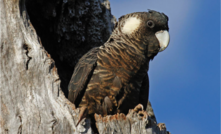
131 25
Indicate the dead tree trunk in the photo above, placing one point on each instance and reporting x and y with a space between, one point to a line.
31 99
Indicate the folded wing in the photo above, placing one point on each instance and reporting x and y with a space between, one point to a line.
81 76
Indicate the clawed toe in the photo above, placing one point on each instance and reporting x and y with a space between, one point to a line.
138 108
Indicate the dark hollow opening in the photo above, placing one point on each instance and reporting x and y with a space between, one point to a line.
67 31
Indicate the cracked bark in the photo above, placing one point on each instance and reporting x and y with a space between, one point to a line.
29 58
32 91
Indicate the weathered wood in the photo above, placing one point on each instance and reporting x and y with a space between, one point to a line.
136 122
31 100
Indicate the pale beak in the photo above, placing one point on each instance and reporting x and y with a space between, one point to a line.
163 38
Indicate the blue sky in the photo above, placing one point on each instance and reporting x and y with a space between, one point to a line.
185 78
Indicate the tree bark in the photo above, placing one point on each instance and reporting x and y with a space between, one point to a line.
32 91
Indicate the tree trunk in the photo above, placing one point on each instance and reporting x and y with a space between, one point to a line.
31 97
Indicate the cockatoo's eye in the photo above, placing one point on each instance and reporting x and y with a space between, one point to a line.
150 24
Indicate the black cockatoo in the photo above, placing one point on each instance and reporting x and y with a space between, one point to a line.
113 78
